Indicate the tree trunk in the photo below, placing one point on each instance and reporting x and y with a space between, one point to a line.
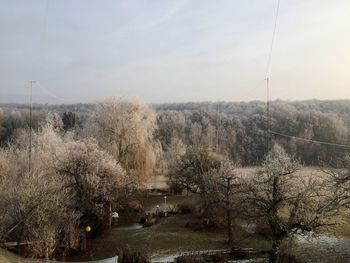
229 227
275 252
19 239
46 251
228 212
66 247
109 216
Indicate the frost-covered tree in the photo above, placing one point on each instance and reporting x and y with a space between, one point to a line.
286 201
34 206
70 120
192 168
224 188
92 175
175 150
339 172
125 129
68 180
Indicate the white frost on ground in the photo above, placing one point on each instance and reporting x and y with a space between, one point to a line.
326 243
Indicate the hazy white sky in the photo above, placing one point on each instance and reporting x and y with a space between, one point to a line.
173 50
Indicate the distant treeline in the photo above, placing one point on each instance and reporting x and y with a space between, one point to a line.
340 108
236 129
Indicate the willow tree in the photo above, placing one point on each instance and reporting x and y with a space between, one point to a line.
125 128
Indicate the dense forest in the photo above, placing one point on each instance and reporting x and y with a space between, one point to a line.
236 129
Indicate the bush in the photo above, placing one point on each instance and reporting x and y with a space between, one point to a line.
142 220
186 208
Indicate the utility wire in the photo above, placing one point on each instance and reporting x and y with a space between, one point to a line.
268 127
52 94
250 91
269 54
309 140
272 40
259 84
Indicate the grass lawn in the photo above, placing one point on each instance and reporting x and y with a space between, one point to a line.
170 235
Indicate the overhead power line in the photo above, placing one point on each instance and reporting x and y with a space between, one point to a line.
272 40
52 94
309 140
269 131
269 58
268 128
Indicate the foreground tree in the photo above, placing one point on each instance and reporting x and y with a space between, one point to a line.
69 180
339 172
34 206
225 187
192 173
287 202
192 168
92 176
70 120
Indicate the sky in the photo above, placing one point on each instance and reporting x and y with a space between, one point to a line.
173 50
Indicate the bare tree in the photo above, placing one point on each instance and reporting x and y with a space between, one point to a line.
339 172
192 168
225 186
287 202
